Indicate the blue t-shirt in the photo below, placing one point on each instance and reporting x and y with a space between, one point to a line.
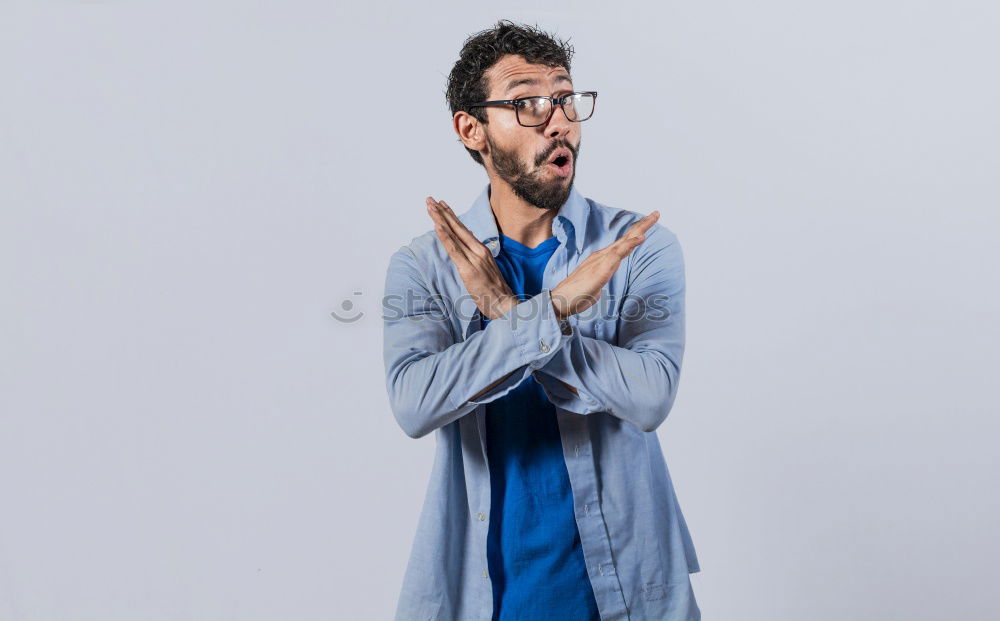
533 546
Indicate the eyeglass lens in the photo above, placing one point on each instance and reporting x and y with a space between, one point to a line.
535 110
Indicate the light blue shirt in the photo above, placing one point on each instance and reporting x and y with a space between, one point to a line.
623 355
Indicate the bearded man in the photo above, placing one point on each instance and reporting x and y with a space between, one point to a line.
540 336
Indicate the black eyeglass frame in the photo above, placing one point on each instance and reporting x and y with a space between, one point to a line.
554 101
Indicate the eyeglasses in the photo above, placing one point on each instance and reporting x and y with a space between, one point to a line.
537 110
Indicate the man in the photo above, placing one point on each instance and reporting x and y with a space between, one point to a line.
540 335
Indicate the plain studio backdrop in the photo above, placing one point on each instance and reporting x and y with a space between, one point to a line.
190 189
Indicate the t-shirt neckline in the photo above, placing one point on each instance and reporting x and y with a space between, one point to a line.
511 245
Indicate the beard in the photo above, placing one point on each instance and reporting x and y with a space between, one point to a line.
532 186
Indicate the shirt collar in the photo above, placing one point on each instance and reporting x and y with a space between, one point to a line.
480 220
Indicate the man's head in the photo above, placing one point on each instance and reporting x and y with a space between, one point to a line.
507 62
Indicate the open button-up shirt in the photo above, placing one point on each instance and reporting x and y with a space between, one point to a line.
622 355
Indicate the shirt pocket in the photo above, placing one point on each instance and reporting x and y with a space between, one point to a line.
599 320
606 328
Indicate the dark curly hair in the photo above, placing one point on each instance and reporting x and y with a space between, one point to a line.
467 81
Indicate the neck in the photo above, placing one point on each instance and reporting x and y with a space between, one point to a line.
517 218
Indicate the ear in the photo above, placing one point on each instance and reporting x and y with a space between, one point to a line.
470 131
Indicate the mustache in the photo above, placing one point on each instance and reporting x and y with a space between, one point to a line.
555 145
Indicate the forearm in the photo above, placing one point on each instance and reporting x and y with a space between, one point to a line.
590 375
428 389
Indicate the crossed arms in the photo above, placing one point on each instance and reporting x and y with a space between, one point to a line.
432 379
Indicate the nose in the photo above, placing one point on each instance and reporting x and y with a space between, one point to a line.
559 124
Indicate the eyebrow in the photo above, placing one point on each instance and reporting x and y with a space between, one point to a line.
534 82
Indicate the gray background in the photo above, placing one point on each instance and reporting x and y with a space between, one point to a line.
189 189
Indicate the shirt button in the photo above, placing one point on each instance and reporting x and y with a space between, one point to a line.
481 516
492 243
543 346
576 449
485 574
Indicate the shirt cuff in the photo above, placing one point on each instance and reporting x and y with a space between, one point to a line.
538 333
531 337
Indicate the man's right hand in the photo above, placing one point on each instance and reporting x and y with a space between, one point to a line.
476 265
582 288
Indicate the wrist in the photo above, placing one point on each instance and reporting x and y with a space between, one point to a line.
557 306
506 303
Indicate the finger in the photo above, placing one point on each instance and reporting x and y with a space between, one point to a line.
458 226
448 241
456 250
438 214
638 229
623 246
644 224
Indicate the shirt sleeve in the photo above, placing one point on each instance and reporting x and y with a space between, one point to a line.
635 380
430 374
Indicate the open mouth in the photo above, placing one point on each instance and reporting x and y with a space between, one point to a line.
562 163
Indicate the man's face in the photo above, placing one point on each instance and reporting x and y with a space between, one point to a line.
521 155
